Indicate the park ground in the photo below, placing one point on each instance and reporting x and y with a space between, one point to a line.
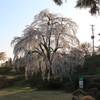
28 93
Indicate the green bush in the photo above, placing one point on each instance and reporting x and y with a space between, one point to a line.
98 96
94 85
69 87
4 82
93 91
5 70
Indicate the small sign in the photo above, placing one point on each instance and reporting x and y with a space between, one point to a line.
81 82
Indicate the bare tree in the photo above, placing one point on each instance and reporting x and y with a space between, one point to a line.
86 48
49 35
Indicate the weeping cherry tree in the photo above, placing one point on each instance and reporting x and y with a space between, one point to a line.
48 44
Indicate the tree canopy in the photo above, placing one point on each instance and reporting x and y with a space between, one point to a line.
93 5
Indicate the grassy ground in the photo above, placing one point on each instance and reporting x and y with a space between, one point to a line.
32 94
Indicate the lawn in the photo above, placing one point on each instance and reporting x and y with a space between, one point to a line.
32 94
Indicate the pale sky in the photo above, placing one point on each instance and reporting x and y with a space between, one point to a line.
16 14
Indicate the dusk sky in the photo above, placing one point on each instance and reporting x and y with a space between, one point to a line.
16 14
